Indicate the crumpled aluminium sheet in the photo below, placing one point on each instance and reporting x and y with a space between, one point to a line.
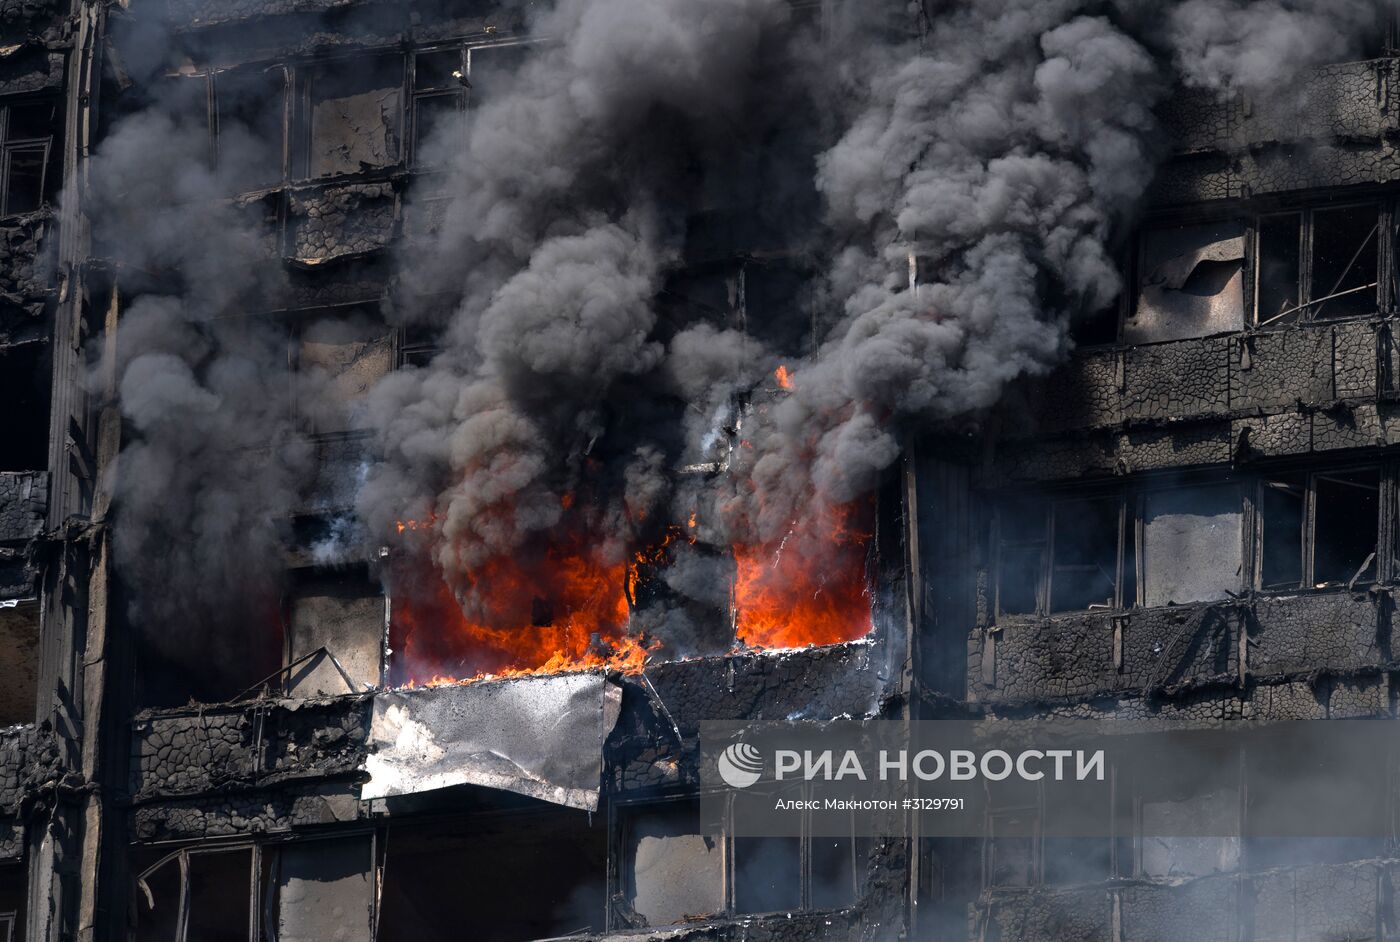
538 736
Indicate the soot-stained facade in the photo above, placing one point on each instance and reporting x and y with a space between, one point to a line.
1191 521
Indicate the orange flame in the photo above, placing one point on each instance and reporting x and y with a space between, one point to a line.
567 607
783 377
809 587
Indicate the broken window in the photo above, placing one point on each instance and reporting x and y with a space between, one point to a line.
1190 283
1317 264
1319 529
352 116
336 632
28 143
672 872
197 895
1078 565
24 398
546 877
249 117
1191 544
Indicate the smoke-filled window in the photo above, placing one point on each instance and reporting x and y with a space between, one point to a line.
1318 264
250 116
1064 555
1319 529
351 116
28 141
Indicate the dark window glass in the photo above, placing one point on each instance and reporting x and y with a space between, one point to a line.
31 121
438 69
1281 506
1085 554
1345 261
767 874
1347 521
1279 259
24 177
834 871
219 891
1095 328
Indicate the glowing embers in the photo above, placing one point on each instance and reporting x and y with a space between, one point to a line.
810 587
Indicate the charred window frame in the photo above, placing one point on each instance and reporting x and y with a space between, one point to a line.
1321 529
170 895
1066 554
186 896
1322 263
754 875
248 120
1023 850
1153 543
27 132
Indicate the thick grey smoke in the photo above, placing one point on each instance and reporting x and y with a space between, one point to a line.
1003 145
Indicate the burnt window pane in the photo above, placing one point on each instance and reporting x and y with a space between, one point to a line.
355 120
1077 860
24 399
219 890
250 111
158 904
1281 508
438 128
767 874
1346 530
31 121
1345 261
441 69
1279 259
1085 554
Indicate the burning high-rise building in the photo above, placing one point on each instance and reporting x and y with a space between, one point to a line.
423 414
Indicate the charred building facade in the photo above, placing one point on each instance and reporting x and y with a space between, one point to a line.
422 415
